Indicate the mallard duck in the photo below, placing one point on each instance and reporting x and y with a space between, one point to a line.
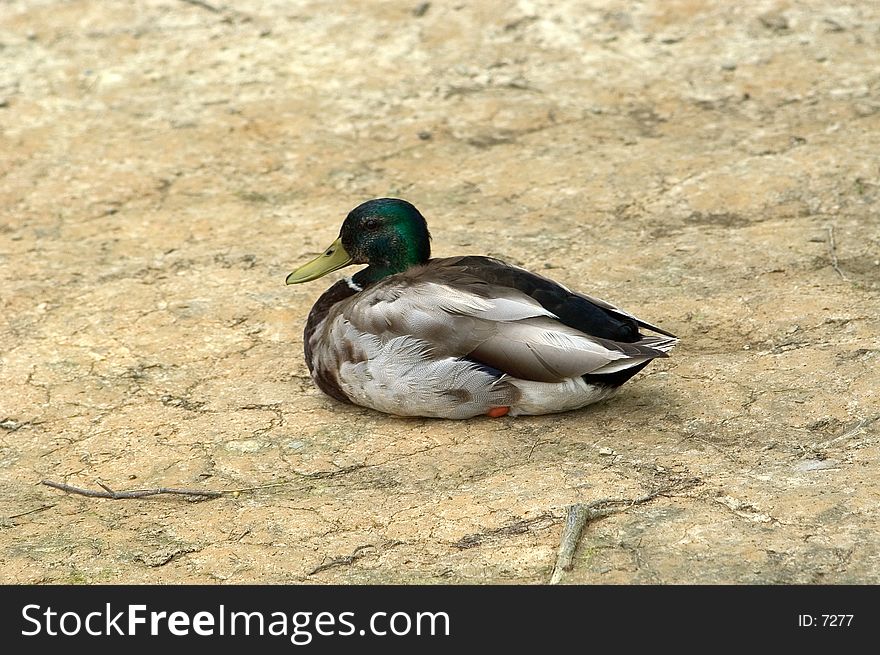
458 337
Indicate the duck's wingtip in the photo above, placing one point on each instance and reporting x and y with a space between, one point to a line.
654 328
661 344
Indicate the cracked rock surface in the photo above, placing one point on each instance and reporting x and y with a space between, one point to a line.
709 165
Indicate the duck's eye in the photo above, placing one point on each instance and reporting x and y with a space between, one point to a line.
371 224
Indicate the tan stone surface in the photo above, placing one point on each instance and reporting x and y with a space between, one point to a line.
164 166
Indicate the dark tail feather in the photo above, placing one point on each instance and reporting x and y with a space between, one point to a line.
616 378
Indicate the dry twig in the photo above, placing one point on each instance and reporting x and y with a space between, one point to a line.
846 435
832 252
134 493
30 511
203 5
342 561
146 493
576 520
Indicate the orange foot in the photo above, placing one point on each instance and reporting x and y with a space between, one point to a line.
498 412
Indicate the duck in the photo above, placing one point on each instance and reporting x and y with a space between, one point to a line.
459 337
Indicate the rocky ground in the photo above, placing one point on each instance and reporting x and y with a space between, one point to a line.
711 166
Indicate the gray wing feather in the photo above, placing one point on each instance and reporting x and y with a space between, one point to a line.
497 326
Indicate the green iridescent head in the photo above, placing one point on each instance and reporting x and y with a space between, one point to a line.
387 234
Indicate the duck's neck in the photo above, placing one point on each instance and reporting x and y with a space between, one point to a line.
372 274
408 252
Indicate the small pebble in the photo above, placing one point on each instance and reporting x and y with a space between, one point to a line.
776 22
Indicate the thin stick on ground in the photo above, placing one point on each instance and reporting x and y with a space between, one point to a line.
125 495
203 5
29 512
576 520
846 435
342 561
146 493
832 253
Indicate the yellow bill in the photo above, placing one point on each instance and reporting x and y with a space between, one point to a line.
335 257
